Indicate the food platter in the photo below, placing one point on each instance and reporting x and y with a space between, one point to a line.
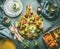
13 8
34 35
30 25
52 37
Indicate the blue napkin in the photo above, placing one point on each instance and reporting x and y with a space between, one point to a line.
4 32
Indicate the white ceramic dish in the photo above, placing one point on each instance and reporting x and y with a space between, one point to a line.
8 10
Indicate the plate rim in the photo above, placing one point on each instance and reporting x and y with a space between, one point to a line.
8 11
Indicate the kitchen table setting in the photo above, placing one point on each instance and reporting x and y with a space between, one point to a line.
29 24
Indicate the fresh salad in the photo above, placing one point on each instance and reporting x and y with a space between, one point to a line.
16 6
30 25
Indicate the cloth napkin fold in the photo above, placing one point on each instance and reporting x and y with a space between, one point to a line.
4 32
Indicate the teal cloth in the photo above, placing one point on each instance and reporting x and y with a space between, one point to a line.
4 32
19 45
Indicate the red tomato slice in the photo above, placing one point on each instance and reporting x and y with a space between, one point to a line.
35 21
24 21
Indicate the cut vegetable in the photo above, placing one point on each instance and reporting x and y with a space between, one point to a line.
31 24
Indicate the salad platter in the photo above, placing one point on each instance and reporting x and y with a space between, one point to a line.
27 33
30 25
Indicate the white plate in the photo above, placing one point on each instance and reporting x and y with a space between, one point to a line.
8 10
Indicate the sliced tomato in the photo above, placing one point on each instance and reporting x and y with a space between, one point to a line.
37 17
35 21
24 21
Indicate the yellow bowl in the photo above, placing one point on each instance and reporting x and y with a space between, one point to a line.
7 44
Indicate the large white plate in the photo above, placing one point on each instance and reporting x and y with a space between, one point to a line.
9 11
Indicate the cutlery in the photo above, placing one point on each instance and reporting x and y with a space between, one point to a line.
13 29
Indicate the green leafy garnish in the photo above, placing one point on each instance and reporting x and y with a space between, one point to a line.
48 33
41 15
27 44
49 39
36 35
58 33
36 43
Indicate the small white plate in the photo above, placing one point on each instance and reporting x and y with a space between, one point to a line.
8 10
